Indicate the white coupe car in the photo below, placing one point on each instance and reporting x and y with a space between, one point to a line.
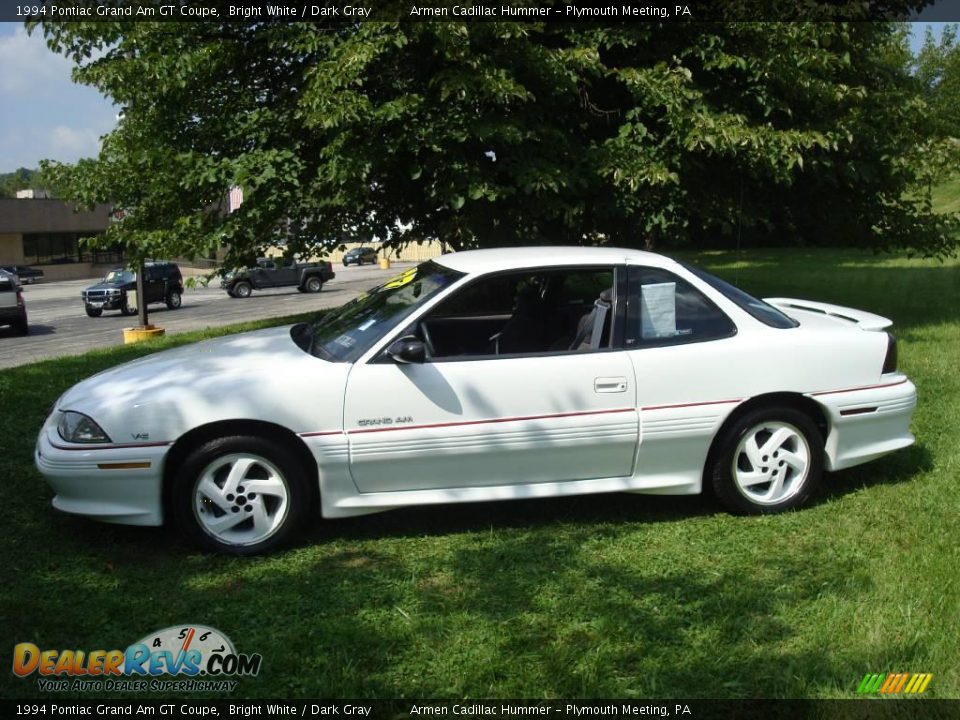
485 375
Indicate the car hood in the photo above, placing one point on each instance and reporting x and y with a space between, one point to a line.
261 375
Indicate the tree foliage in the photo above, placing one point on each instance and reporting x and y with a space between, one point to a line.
937 68
480 134
19 179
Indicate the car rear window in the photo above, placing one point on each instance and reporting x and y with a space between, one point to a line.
758 309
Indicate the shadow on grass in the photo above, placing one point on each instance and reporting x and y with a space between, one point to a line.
897 467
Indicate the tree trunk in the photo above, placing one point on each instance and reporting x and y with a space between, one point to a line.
141 295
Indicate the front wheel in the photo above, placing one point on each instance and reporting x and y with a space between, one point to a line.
241 495
93 312
769 461
313 284
174 300
242 290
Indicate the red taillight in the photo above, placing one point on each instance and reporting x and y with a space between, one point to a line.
19 298
890 361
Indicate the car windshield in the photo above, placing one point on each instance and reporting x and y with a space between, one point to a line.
120 277
344 334
758 309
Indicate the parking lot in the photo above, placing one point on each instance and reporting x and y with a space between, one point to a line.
59 325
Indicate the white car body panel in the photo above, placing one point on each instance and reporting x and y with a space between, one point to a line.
388 435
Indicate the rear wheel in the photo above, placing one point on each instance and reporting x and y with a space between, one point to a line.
174 300
242 495
313 284
769 461
93 312
21 327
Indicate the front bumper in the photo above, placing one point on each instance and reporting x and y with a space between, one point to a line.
867 423
109 302
97 482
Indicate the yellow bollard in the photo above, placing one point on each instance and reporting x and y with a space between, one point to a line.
384 263
139 334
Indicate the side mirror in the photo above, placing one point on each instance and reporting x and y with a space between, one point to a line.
407 350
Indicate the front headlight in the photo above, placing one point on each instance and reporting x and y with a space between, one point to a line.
78 428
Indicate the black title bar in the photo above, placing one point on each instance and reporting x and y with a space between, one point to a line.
219 11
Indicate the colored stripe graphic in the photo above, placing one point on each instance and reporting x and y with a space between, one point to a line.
894 683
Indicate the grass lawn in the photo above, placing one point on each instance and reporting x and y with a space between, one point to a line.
609 596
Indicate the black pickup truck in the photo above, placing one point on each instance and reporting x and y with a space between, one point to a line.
306 277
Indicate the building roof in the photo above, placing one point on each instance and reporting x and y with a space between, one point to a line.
50 216
494 259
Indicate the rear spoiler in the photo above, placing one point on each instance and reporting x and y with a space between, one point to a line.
866 321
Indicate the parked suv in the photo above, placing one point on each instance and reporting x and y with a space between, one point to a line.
12 310
306 277
359 256
118 289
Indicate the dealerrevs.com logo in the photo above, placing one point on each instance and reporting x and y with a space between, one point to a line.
200 657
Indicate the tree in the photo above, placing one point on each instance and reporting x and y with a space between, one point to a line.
479 134
19 179
937 68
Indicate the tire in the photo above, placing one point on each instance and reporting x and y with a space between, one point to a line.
242 289
346 264
125 307
313 284
269 516
768 461
174 300
21 327
92 311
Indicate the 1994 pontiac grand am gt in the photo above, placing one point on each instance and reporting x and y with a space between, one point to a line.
485 375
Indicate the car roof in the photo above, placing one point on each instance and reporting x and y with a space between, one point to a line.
494 259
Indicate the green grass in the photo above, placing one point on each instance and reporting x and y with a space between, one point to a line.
615 595
946 196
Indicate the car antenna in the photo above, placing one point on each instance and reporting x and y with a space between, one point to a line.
738 257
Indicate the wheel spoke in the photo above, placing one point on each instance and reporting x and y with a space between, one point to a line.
776 487
753 451
270 486
795 460
237 473
748 479
262 523
776 440
224 522
208 488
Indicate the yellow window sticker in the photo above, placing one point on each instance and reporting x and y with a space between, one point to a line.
401 279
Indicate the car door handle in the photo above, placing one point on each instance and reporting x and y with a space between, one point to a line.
610 384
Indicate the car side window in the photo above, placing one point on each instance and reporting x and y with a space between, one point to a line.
665 309
523 313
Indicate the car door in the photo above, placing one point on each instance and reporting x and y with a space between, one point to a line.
287 274
153 284
526 414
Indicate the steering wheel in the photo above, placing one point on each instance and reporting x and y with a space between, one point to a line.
427 340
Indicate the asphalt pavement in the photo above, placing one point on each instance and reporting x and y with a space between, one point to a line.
59 326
